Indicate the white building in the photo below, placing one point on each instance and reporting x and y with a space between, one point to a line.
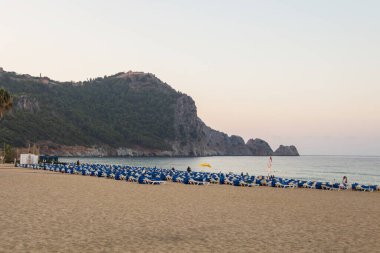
28 159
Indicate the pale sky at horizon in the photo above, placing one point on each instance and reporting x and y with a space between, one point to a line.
289 72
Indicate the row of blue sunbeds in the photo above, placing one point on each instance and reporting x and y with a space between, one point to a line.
146 175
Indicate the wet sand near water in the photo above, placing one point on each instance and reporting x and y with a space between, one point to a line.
52 212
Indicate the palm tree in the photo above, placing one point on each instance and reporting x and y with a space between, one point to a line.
6 102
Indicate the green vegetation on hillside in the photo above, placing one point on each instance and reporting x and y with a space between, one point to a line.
136 110
6 101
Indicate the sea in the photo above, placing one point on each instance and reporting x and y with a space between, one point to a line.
360 169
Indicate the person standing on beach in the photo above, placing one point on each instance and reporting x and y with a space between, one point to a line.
344 184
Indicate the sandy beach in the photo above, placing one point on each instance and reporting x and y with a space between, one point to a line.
52 212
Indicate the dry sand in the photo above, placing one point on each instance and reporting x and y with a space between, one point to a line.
53 212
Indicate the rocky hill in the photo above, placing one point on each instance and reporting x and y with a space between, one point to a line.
127 114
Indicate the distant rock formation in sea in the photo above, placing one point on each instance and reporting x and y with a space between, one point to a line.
286 151
126 114
259 147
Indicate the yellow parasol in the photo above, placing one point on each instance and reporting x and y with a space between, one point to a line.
205 165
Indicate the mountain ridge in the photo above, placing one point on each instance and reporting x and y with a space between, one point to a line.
126 114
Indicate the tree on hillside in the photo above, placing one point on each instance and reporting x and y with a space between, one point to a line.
9 153
6 102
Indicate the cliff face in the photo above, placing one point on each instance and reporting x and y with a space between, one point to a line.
194 138
127 114
26 104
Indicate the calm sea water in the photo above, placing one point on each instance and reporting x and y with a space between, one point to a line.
361 169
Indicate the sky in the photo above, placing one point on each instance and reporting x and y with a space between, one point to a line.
303 73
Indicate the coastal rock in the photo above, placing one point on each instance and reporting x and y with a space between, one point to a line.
259 147
286 151
236 146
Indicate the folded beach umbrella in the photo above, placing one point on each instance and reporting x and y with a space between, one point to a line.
269 166
205 165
